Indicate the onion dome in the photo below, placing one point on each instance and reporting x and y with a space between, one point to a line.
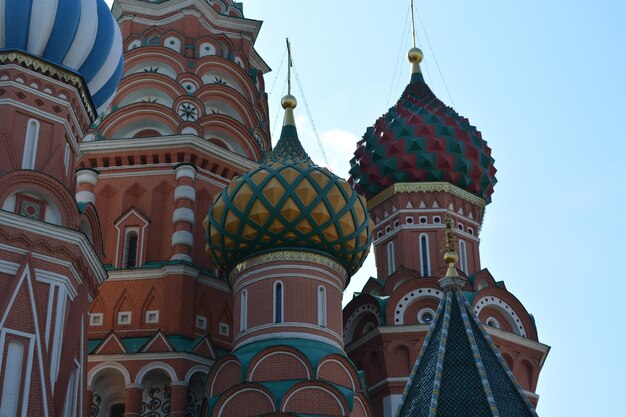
79 35
420 139
288 202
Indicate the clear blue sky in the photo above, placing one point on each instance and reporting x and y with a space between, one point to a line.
544 81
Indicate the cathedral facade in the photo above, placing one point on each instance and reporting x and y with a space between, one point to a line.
158 257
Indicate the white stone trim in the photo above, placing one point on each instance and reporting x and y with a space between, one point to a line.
49 231
350 323
185 191
86 176
182 237
185 171
85 197
410 298
514 319
183 214
156 365
282 335
181 257
313 387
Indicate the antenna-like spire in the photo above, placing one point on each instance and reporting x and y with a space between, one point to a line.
289 65
415 54
413 24
289 102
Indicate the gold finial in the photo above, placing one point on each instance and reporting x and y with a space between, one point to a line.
289 102
415 55
450 256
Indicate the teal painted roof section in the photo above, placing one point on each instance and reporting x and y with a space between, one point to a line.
460 372
133 344
312 349
180 343
92 345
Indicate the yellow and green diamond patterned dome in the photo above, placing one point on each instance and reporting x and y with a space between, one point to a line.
288 202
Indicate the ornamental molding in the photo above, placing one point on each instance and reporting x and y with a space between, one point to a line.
424 187
288 256
43 67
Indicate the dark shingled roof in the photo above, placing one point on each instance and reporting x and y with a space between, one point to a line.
460 372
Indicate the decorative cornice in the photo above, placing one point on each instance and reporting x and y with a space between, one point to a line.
423 187
288 256
46 68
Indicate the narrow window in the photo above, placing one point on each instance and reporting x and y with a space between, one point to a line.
463 256
391 259
243 324
278 302
30 145
66 158
424 255
12 380
130 249
321 307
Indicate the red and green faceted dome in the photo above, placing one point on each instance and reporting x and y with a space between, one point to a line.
421 139
288 202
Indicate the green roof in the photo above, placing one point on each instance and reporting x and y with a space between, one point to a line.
312 349
460 371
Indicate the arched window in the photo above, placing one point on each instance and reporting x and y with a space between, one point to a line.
130 249
321 307
154 41
278 302
30 144
66 158
462 256
243 324
424 255
391 259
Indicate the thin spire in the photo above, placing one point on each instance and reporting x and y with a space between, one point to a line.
413 24
289 65
415 54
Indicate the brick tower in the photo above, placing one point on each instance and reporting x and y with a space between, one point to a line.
59 64
418 164
189 115
290 234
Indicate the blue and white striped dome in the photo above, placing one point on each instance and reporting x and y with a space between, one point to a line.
80 35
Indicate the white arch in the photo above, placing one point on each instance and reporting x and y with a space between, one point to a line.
350 324
308 374
340 364
156 365
194 370
411 297
241 392
514 319
93 372
220 370
343 410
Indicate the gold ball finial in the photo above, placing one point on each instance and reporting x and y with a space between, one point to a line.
450 257
289 102
415 55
